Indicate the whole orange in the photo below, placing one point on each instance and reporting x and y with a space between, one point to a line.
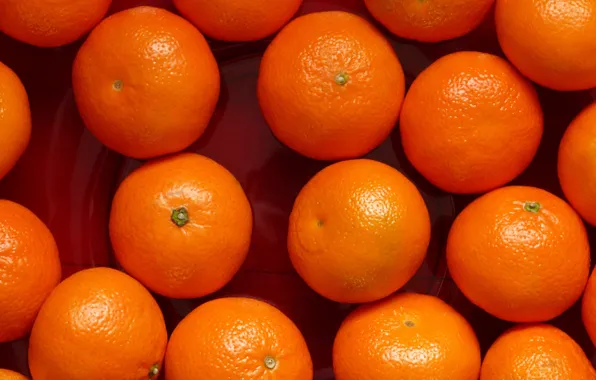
550 41
15 119
10 375
181 225
520 253
237 339
29 268
238 20
577 164
145 82
46 23
429 21
98 324
359 230
536 352
407 336
589 308
470 123
330 86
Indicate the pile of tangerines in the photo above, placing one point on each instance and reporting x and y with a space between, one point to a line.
331 88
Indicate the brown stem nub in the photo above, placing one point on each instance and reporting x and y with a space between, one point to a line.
154 371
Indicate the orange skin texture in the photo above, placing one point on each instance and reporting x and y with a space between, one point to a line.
537 351
577 164
589 308
29 269
429 20
52 23
193 260
550 41
359 230
11 375
238 20
409 337
15 119
229 338
470 123
518 265
302 101
97 324
146 83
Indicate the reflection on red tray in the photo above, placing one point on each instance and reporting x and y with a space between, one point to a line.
67 178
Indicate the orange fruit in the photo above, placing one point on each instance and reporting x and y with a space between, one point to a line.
181 225
238 20
359 230
429 21
470 123
145 82
407 336
10 375
536 352
550 41
589 308
52 23
520 253
15 119
577 164
98 324
29 268
237 339
330 86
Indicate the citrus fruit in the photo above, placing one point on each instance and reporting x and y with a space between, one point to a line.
29 268
10 375
98 324
145 82
181 225
238 20
589 308
358 231
407 336
330 86
470 123
536 352
429 21
519 253
52 23
237 339
15 119
550 41
577 164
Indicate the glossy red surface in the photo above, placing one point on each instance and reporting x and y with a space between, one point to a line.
68 178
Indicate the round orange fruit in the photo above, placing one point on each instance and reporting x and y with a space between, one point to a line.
589 308
98 324
359 230
550 41
519 253
577 164
330 86
238 20
15 119
29 268
429 21
237 339
10 375
407 336
145 82
536 352
470 123
181 225
52 23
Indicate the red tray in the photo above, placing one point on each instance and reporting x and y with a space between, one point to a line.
68 179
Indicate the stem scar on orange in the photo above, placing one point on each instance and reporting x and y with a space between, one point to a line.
181 225
330 86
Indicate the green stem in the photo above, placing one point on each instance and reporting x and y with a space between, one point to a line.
180 216
532 207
